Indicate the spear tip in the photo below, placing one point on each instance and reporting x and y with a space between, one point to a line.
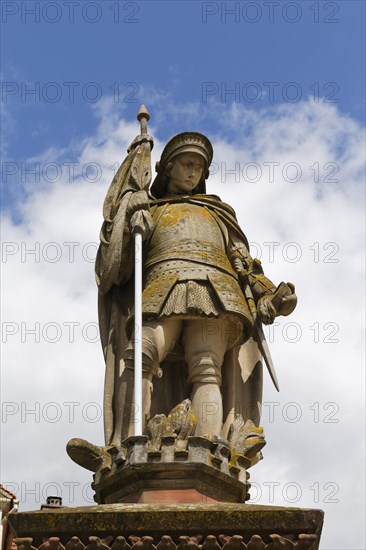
143 113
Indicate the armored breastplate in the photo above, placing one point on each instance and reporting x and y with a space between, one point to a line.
187 239
187 244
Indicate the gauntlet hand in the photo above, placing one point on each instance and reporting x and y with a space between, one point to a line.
138 214
141 222
266 310
138 201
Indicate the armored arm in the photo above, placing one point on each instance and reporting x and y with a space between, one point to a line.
270 301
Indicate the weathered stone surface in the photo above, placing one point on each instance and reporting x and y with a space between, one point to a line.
75 544
200 470
219 520
126 484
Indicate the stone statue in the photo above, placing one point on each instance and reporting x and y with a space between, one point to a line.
204 299
196 307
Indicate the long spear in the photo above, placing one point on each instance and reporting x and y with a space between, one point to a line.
143 116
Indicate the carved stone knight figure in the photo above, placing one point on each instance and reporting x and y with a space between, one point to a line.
202 296
204 299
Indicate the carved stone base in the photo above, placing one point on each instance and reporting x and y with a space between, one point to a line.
187 471
171 527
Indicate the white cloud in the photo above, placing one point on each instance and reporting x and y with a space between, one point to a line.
321 221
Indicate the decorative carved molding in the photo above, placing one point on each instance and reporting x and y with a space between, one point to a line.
183 542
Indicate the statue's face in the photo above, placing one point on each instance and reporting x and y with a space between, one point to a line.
186 173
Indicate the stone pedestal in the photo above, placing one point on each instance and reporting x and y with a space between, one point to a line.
194 470
169 527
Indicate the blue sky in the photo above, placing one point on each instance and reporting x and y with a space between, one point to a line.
167 46
288 156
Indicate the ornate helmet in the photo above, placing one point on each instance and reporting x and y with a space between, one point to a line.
186 142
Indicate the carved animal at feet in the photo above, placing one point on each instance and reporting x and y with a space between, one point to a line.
181 420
